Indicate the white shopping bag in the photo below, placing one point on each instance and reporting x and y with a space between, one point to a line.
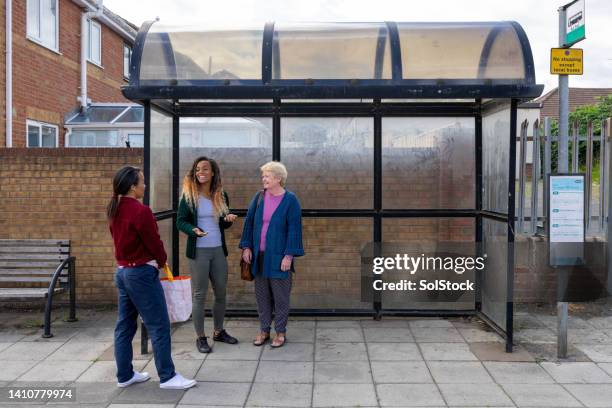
177 290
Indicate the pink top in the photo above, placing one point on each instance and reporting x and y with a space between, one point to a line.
270 204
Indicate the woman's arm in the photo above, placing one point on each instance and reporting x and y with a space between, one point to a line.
246 241
294 244
226 224
181 219
146 225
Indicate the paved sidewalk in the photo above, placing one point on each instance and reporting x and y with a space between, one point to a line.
401 362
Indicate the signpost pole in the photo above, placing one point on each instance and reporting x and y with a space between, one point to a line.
562 157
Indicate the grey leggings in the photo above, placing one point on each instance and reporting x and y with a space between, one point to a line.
209 263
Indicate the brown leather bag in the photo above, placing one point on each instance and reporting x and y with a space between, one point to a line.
246 272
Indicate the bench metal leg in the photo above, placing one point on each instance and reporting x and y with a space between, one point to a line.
47 331
72 277
144 339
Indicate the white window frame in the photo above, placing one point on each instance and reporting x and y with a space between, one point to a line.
126 68
90 24
39 40
40 126
123 134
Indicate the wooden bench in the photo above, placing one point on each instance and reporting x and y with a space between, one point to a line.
38 269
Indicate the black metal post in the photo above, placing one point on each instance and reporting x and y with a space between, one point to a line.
72 279
478 195
376 295
175 192
511 211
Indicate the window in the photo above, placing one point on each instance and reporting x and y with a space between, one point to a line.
93 138
42 22
41 134
94 48
127 56
135 139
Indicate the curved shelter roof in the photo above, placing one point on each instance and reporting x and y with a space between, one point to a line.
333 60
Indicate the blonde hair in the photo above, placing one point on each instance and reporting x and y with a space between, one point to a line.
276 168
191 184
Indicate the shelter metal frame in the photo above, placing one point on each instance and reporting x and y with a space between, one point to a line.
172 98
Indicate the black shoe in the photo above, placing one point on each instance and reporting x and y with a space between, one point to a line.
202 345
223 337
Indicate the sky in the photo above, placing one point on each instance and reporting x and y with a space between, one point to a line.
539 19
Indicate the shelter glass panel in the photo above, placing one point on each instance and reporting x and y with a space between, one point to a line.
428 162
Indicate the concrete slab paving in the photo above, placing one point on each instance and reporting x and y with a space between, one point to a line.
401 372
341 352
61 335
592 395
148 392
388 335
285 372
240 351
319 361
342 372
433 322
598 353
394 351
540 395
344 395
409 395
216 393
479 336
11 370
459 372
50 369
473 395
447 352
29 351
106 371
78 350
496 351
226 371
517 373
280 395
576 372
437 335
339 335
289 352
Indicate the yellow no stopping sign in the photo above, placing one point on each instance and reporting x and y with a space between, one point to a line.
566 61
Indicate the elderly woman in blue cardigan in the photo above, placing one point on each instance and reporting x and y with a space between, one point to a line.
271 238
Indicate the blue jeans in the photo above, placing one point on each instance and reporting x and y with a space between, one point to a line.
140 292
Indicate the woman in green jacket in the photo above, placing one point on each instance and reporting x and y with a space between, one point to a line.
203 215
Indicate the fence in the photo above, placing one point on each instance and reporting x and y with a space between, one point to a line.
532 192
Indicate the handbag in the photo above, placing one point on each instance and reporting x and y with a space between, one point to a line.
177 291
246 271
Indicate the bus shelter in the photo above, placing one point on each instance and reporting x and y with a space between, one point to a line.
391 132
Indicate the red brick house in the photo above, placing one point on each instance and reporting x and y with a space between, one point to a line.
44 52
577 97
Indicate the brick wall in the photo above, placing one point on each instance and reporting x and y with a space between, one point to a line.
46 84
62 193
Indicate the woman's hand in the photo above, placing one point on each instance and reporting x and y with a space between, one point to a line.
286 263
247 256
230 217
199 232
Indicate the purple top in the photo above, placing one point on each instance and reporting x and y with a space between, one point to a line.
270 204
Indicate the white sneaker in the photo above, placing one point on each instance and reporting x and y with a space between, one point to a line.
136 378
178 382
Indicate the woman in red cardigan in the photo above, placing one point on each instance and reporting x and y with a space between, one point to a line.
140 253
